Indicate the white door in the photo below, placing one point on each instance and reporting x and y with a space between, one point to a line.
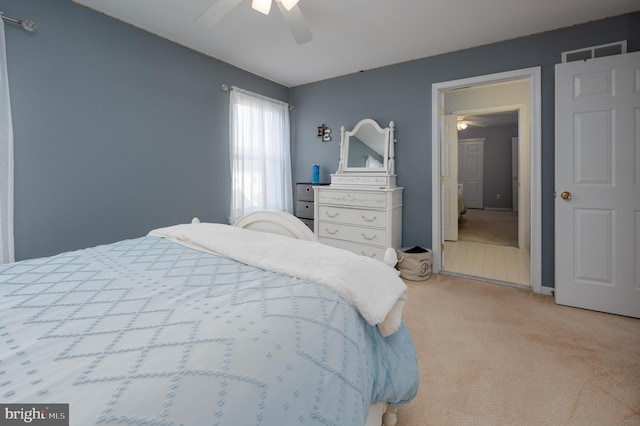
515 183
471 171
597 208
449 178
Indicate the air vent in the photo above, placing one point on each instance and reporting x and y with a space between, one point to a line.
610 49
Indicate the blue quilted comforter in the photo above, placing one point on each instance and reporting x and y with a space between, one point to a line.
148 331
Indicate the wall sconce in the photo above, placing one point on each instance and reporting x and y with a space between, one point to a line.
324 132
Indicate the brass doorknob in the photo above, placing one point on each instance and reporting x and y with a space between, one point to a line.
565 195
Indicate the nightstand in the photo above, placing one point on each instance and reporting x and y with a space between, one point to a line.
304 203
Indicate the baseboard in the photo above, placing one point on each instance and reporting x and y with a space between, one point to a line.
547 291
499 209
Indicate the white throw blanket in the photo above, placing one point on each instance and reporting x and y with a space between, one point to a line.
370 286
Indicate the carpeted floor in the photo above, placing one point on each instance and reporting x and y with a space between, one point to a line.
497 355
489 226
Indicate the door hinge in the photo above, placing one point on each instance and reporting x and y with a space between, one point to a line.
441 180
441 247
441 110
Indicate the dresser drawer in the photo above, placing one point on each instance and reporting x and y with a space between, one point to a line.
360 217
363 250
304 192
376 200
356 234
304 209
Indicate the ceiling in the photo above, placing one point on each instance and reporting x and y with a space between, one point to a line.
351 35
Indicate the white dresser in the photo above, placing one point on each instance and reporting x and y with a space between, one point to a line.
361 210
363 220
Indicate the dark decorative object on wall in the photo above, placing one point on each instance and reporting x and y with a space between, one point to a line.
324 132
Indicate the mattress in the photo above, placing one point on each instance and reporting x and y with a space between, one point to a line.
150 331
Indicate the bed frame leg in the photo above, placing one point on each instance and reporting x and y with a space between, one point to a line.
389 418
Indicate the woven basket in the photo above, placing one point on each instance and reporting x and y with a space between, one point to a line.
415 263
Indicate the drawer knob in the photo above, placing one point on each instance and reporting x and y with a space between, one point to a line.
368 238
334 232
368 255
366 219
332 216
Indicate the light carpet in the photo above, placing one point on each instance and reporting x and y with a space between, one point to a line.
498 355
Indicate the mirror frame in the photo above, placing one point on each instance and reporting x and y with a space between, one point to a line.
388 136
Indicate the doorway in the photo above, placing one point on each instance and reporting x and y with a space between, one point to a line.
499 93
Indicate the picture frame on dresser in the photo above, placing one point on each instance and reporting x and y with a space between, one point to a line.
361 210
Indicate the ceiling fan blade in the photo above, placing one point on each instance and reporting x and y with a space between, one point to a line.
475 123
296 24
216 12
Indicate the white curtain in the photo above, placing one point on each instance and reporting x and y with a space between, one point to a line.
260 156
6 159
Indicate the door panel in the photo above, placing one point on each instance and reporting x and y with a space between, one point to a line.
597 207
593 148
450 177
515 184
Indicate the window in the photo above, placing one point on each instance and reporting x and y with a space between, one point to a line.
260 155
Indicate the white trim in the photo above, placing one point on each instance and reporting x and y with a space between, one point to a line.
547 291
533 75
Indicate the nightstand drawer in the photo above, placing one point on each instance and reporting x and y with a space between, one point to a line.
304 192
356 234
304 209
374 218
308 222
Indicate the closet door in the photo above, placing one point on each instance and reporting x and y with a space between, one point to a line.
471 171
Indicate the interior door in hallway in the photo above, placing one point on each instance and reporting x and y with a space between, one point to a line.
597 169
471 171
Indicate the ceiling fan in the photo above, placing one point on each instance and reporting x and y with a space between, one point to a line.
463 124
289 8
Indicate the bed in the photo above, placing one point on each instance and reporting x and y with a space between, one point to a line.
201 324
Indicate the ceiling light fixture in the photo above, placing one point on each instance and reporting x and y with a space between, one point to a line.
289 9
262 6
461 125
288 4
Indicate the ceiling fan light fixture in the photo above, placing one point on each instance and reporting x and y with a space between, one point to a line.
262 6
289 4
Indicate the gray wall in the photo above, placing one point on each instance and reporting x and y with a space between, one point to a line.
116 130
497 162
403 93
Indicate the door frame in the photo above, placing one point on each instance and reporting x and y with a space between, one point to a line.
533 76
